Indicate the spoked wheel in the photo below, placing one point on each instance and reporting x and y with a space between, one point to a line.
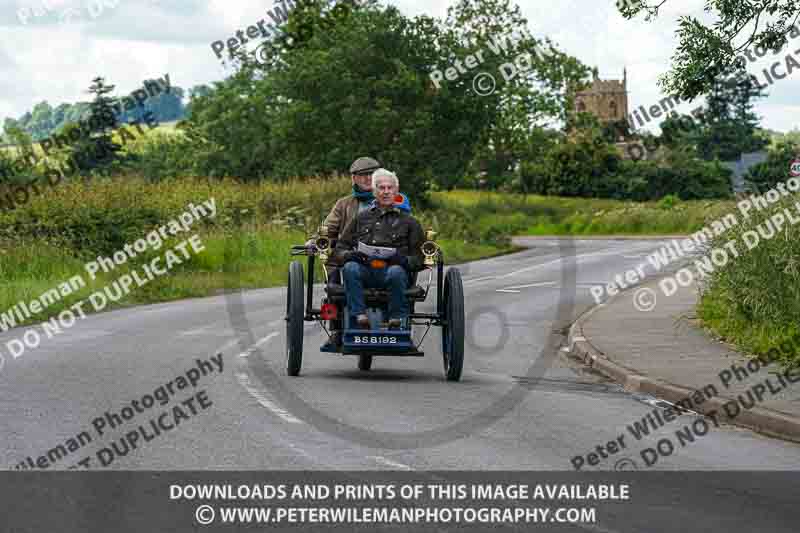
364 362
294 319
453 331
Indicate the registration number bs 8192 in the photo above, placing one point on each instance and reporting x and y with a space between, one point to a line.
367 339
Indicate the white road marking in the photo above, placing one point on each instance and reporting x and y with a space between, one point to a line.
276 323
198 331
388 462
77 335
252 349
228 345
540 284
476 280
515 291
264 401
560 259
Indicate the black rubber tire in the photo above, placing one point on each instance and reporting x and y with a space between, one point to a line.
364 362
453 332
294 319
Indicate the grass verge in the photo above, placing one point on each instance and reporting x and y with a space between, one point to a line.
548 215
753 301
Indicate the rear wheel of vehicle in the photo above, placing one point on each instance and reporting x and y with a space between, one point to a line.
364 362
294 319
453 331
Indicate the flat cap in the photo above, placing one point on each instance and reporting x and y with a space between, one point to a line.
363 165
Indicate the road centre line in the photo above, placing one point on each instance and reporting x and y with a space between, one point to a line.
478 279
198 331
515 291
252 349
388 462
539 284
560 259
244 380
228 344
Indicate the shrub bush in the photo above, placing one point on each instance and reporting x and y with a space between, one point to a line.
754 300
775 169
162 155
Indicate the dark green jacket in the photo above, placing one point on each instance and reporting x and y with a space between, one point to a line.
378 227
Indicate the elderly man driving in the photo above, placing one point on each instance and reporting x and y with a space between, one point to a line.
392 233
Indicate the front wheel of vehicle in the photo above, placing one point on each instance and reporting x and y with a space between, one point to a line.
294 319
364 362
453 331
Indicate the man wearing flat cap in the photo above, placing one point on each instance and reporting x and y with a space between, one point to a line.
347 208
344 211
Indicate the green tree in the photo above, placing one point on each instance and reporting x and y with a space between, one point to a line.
533 78
680 132
198 91
360 87
775 169
94 150
231 128
729 125
706 52
41 123
793 136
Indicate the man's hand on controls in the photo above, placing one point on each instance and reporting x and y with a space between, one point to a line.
355 255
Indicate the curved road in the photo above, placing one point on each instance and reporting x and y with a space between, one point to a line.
402 415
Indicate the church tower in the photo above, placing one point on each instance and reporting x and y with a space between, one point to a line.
605 99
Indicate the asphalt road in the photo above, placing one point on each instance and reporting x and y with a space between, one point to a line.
521 404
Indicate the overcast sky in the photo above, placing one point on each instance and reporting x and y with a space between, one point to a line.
54 60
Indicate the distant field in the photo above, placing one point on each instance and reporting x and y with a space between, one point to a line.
164 127
551 215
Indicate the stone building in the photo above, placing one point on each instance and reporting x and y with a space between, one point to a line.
605 99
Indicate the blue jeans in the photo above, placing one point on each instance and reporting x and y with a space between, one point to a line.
357 277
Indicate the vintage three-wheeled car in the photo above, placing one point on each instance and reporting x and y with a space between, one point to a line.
347 338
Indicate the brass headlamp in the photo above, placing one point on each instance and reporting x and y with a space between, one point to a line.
429 248
323 243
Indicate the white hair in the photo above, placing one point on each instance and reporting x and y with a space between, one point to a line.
383 173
